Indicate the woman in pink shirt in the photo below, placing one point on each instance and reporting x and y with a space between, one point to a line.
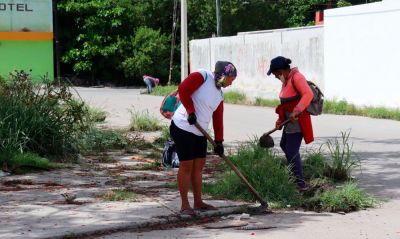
295 96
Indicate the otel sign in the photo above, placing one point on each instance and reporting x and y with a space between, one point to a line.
19 7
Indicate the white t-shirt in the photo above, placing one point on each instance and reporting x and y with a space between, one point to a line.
205 100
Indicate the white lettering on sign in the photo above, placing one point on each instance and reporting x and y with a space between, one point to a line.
19 7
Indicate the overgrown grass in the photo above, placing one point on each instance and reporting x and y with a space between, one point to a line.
164 90
344 199
23 162
95 140
342 107
343 160
120 195
314 165
235 97
96 114
264 171
266 102
41 119
143 121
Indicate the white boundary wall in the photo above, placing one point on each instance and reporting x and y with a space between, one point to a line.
252 52
362 53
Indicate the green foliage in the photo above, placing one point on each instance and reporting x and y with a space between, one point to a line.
23 162
234 97
344 199
107 39
148 52
143 121
39 119
343 3
264 171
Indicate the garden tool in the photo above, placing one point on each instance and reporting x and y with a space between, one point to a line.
266 140
264 204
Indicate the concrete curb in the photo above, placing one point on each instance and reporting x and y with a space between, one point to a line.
149 223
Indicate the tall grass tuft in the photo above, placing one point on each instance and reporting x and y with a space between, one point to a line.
143 121
342 159
264 171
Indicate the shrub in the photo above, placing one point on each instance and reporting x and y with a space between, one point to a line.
149 53
42 119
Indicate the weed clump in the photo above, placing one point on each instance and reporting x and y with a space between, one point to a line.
264 171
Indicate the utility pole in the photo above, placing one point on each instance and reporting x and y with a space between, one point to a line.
184 41
56 44
218 14
171 58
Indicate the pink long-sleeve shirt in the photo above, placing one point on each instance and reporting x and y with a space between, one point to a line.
289 91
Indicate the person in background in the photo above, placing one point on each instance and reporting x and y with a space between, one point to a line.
150 82
202 100
295 96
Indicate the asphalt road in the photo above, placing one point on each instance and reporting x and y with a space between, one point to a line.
376 142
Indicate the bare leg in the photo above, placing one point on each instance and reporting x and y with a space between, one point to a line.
197 181
184 178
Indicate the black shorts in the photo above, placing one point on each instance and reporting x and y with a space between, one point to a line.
188 145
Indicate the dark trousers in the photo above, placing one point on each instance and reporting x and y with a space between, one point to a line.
290 144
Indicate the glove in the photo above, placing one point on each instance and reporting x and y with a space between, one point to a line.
219 148
192 119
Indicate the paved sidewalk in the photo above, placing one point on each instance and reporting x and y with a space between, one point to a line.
32 206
